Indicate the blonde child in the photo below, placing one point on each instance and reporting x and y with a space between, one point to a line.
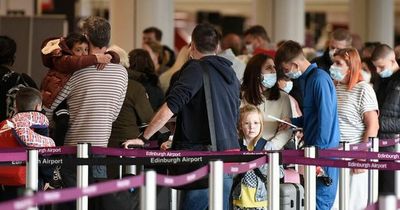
249 189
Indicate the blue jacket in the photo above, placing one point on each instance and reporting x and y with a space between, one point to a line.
187 100
320 118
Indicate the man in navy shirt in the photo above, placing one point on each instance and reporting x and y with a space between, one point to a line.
187 100
320 118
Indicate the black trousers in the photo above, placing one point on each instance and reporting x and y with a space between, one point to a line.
386 178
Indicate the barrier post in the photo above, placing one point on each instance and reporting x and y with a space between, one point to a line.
387 202
373 174
149 191
32 173
82 175
273 181
216 185
344 182
310 180
173 205
131 169
397 175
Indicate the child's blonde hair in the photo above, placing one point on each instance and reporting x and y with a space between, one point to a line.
244 111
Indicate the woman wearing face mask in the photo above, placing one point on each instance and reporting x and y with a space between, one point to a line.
358 115
260 88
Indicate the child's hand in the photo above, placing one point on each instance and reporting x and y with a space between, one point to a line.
166 145
103 58
56 52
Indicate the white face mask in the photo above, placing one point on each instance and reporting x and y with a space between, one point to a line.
336 73
268 80
366 75
249 49
288 87
386 73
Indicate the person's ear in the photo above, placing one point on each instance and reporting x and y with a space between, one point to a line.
38 107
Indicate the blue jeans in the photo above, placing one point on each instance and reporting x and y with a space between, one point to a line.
198 199
326 194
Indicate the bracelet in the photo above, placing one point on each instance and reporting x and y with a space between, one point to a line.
141 137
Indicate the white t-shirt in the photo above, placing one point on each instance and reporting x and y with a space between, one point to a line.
351 108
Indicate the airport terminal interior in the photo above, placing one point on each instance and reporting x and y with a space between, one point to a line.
319 80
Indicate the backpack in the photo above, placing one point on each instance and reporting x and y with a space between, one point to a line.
10 175
10 89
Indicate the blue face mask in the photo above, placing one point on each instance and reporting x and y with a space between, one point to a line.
288 87
386 73
293 75
336 73
268 80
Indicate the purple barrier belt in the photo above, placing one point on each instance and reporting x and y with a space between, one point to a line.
174 181
58 196
359 154
372 207
388 142
375 206
19 154
16 149
343 163
366 145
236 168
66 150
13 156
160 153
292 153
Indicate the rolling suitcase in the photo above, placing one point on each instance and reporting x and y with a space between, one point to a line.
291 196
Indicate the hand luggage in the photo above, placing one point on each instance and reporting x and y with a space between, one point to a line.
291 196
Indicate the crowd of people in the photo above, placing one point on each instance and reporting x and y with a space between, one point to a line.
224 92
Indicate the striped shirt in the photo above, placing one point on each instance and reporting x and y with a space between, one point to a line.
94 98
351 108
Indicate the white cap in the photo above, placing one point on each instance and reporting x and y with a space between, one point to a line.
51 46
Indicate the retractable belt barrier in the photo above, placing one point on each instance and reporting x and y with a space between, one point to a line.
143 157
68 194
376 206
233 163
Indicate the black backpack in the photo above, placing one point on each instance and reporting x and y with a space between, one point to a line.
10 83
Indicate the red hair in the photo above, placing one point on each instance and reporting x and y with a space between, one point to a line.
353 60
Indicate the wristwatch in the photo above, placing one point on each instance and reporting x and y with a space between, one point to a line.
141 137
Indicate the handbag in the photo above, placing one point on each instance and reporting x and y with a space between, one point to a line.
10 175
203 182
